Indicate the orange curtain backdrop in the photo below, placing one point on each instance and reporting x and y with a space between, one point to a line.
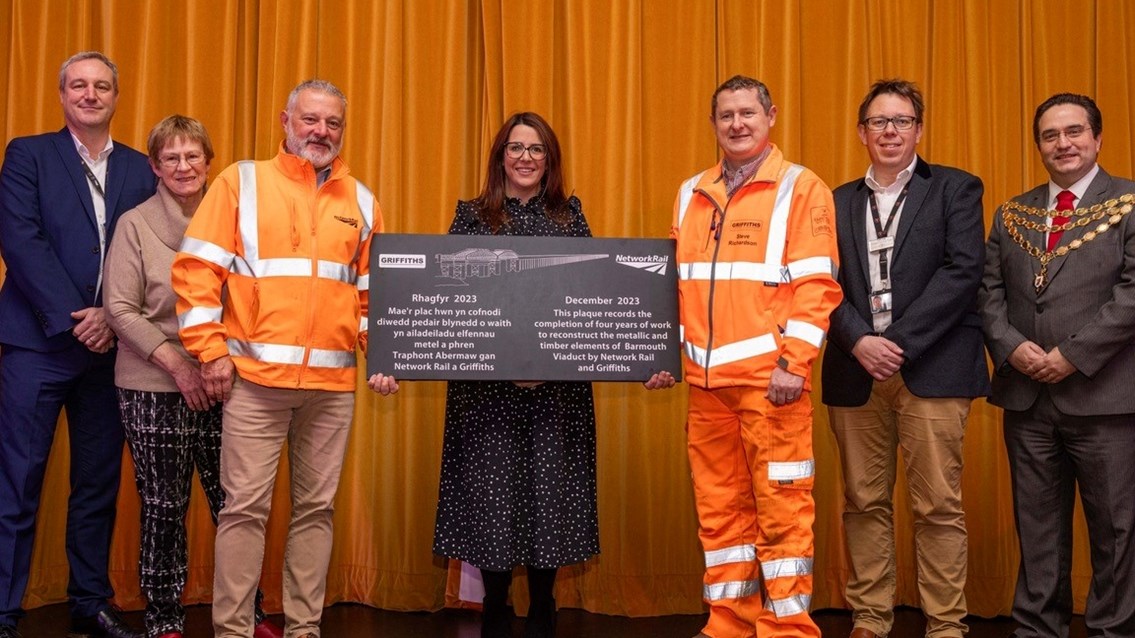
626 85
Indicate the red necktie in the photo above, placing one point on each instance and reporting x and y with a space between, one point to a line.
1064 201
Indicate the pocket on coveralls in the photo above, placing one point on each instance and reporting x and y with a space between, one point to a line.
790 461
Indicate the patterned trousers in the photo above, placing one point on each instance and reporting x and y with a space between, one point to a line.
167 441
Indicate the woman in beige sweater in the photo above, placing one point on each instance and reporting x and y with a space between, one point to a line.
171 425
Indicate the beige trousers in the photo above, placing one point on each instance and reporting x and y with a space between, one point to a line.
929 432
257 421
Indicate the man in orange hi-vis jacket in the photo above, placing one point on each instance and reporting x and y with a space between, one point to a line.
757 257
272 279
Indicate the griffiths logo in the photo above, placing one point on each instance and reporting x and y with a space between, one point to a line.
391 260
650 263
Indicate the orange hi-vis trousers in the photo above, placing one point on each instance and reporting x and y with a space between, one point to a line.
753 472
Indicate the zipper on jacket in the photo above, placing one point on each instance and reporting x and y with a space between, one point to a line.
716 227
314 285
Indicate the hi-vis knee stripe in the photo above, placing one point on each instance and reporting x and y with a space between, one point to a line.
731 352
732 589
786 568
685 194
791 470
784 607
735 554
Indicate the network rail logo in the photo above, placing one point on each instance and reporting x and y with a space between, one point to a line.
650 263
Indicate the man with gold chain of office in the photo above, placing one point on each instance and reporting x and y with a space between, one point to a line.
1058 306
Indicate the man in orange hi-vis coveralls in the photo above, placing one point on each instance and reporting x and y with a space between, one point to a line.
757 258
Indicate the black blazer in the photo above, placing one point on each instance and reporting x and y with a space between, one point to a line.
936 269
1087 309
49 236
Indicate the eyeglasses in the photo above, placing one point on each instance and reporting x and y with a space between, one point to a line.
172 161
901 122
515 150
1072 132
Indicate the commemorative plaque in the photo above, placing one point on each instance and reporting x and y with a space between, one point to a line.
478 307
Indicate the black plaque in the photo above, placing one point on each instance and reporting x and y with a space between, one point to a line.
522 308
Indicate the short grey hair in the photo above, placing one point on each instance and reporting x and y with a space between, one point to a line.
88 55
313 84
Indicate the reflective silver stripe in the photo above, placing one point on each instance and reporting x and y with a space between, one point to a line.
733 270
266 352
791 470
363 283
731 589
198 315
207 251
685 195
248 211
778 223
804 331
735 554
336 271
294 267
365 199
363 323
731 352
811 266
786 568
331 358
784 607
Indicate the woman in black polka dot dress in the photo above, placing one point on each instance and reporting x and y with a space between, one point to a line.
518 461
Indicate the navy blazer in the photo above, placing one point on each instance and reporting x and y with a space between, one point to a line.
49 235
936 267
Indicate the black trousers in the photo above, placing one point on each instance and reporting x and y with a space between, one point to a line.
168 441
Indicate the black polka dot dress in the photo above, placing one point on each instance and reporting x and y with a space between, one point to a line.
517 464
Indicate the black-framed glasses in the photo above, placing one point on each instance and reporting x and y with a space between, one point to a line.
515 150
901 122
172 161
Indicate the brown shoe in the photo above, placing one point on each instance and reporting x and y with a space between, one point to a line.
863 632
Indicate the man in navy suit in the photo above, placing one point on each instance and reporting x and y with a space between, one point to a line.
60 196
905 360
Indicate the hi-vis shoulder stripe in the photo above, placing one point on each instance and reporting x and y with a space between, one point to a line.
778 224
731 590
786 568
735 554
685 194
251 265
791 470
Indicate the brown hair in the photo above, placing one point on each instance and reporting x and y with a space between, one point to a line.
173 127
741 83
490 203
896 86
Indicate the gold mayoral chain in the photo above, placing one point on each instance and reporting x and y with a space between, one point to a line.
1018 215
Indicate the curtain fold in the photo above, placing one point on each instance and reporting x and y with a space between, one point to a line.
626 85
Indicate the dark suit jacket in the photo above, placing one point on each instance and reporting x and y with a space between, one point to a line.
1087 309
936 267
49 235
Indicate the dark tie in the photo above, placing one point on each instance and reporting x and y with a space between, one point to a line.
1064 201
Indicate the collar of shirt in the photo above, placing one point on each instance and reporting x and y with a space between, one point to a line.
900 181
85 153
737 176
1078 189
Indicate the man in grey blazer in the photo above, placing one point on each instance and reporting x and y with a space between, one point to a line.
1058 303
905 360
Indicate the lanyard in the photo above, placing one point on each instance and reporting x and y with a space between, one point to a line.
881 230
92 179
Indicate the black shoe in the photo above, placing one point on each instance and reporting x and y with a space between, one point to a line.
107 624
9 631
541 621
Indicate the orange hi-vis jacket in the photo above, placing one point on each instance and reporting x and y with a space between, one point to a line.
274 271
756 273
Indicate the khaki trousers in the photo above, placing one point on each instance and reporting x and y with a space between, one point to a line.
929 432
257 421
